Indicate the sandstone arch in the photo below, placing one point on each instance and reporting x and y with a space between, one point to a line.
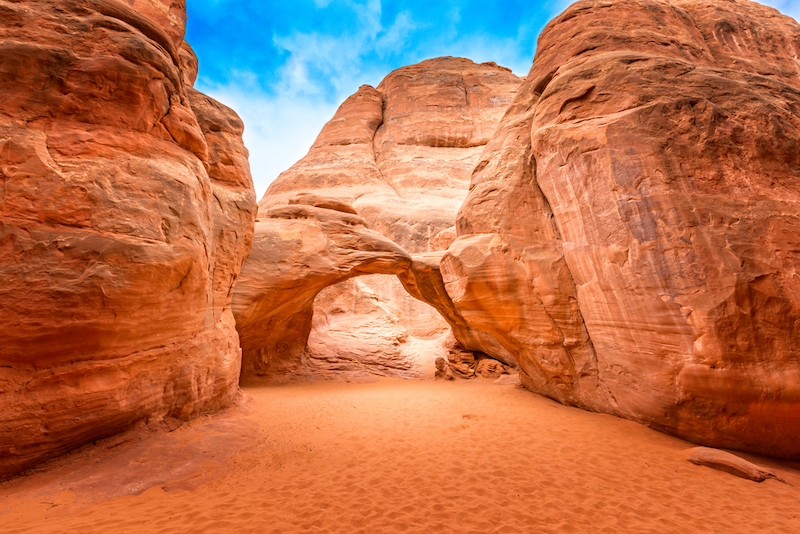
310 244
400 155
298 250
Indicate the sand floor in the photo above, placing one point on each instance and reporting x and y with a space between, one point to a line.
395 456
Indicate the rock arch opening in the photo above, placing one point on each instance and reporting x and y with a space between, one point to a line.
321 293
370 325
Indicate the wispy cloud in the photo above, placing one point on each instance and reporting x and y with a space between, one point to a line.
312 67
320 70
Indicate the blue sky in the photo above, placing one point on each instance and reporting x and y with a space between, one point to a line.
285 66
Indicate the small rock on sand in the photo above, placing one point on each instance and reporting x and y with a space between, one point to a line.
508 380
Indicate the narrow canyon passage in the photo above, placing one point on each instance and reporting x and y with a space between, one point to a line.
396 456
618 231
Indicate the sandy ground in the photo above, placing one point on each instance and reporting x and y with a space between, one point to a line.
395 456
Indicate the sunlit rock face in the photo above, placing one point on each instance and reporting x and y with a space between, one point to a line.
632 232
126 211
300 249
401 155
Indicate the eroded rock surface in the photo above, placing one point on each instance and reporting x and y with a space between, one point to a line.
300 249
632 234
126 211
401 155
423 280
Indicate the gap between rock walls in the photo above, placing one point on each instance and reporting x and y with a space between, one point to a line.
618 228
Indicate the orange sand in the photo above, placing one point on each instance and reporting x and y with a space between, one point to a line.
396 456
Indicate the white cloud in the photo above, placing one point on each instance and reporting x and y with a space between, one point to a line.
395 37
320 62
279 129
322 69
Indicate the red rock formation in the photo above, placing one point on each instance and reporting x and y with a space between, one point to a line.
401 155
631 233
423 280
300 249
126 211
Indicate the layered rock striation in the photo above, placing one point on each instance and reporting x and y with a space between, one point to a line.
632 232
126 212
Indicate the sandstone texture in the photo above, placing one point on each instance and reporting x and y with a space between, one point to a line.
401 155
632 231
423 280
300 249
126 211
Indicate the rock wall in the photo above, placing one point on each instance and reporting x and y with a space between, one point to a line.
632 232
126 212
401 155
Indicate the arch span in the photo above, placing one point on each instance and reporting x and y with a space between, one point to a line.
301 248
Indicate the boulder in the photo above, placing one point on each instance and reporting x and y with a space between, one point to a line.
443 371
490 368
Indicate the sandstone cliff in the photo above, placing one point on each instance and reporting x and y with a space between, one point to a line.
401 155
632 232
126 211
